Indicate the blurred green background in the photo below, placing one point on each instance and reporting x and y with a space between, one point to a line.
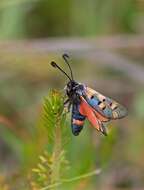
105 39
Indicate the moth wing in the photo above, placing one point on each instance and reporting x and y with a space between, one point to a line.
93 116
105 106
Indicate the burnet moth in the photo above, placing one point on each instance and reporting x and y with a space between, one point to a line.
88 103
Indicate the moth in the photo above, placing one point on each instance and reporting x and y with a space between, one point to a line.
88 104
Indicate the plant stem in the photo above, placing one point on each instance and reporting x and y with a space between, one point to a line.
56 153
95 172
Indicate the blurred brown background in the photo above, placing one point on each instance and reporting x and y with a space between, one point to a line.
105 39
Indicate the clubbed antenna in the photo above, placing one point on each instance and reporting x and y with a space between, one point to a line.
56 66
53 64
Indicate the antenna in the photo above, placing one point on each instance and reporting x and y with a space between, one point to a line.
56 66
66 57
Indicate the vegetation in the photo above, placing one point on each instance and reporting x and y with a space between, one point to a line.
43 18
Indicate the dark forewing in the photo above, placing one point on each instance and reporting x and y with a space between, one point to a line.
104 105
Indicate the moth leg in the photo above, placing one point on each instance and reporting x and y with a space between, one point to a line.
66 101
69 106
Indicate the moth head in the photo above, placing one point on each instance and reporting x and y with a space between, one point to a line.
71 85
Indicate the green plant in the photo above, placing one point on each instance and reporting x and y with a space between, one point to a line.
52 165
52 162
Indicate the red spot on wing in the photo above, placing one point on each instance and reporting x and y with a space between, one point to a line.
86 110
